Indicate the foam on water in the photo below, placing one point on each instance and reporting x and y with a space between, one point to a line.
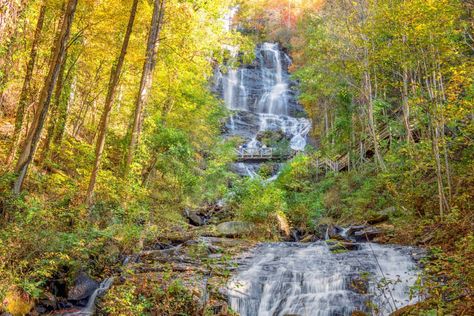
307 279
263 91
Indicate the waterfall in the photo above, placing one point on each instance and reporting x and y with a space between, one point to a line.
261 99
308 279
89 310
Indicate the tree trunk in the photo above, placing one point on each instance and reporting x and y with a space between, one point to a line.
406 106
66 98
60 108
443 135
56 104
32 139
113 83
25 91
443 203
147 78
434 126
371 121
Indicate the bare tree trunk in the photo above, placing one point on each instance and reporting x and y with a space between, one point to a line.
147 78
60 109
326 121
87 99
443 204
113 83
56 104
371 121
406 106
434 96
25 91
32 139
443 135
66 98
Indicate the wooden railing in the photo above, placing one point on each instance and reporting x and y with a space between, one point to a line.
262 154
323 164
343 162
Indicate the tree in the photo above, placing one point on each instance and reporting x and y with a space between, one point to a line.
113 83
25 91
29 147
147 77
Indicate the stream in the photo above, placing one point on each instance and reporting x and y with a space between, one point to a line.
301 279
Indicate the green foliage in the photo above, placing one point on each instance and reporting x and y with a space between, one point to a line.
256 201
48 233
138 296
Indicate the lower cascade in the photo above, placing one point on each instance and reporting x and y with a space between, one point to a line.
298 279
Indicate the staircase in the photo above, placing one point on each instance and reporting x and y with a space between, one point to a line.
343 162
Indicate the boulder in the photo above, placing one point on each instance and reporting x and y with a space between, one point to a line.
83 287
283 226
234 228
194 218
308 238
270 137
418 255
353 229
377 219
340 246
367 234
328 231
359 285
47 302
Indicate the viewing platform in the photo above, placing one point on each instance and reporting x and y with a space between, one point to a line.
258 154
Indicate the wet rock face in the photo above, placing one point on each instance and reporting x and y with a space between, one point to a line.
262 98
243 88
83 287
270 137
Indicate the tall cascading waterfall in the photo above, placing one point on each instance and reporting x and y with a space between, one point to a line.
261 99
281 279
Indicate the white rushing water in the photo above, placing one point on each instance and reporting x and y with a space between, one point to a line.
261 99
89 309
307 279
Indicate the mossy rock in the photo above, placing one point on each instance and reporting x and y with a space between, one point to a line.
337 246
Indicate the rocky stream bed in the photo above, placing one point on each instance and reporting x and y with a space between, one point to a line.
328 270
